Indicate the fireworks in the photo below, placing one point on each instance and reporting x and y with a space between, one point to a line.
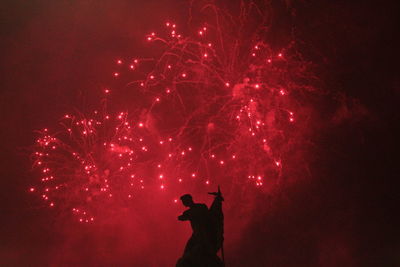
216 109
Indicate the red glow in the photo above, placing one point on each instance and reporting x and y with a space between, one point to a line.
225 119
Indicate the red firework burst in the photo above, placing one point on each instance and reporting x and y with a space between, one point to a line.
219 107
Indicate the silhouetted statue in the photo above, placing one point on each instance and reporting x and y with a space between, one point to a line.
207 237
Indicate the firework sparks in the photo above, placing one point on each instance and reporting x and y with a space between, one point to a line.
218 107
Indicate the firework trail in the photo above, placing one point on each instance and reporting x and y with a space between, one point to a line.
218 106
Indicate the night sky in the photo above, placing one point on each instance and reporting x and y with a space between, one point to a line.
58 55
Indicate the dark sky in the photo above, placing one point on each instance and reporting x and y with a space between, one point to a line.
55 54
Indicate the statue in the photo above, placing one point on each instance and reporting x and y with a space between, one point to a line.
207 237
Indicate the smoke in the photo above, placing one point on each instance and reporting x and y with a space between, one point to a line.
326 211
